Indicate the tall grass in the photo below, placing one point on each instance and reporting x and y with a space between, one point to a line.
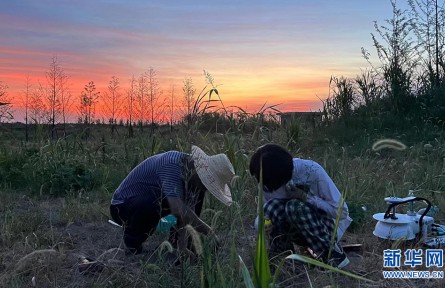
262 267
368 108
86 174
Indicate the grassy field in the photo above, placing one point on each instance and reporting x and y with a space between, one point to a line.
56 194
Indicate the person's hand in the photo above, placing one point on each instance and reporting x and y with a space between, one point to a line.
297 193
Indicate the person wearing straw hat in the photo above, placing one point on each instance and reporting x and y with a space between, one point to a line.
301 202
170 183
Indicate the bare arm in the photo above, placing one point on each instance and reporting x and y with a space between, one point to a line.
185 216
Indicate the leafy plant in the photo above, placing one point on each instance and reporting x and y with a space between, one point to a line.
262 276
262 269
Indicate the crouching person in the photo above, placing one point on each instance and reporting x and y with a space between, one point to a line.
301 201
170 183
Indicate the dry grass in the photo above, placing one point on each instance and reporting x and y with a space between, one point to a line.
45 238
29 257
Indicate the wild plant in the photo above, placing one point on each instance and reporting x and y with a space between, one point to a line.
342 99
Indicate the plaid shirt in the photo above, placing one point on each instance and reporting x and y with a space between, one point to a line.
294 221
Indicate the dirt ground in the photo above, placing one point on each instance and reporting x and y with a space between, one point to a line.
55 254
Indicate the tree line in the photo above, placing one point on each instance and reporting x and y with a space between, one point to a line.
409 82
141 103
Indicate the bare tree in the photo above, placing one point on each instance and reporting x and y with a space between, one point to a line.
142 90
66 100
36 105
156 104
5 103
25 100
83 108
88 100
37 109
112 102
54 78
130 106
172 105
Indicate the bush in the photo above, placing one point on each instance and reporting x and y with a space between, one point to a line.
11 167
51 169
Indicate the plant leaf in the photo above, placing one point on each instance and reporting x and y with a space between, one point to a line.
325 266
246 276
262 269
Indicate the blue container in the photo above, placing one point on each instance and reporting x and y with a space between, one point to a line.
166 223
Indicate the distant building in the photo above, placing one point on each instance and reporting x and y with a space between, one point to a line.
305 119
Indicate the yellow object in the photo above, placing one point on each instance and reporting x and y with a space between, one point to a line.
267 222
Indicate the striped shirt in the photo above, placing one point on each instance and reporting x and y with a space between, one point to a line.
162 171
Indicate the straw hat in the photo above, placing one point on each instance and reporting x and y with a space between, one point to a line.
215 173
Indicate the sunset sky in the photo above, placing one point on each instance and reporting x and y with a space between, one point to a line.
279 52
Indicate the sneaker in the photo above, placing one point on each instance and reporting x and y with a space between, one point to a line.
338 257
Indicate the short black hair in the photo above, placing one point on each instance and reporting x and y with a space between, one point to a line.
277 165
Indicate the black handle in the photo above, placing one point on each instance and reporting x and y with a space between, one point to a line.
392 205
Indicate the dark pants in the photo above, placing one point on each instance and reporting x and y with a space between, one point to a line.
140 216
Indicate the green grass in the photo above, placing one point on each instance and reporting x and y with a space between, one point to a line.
55 195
